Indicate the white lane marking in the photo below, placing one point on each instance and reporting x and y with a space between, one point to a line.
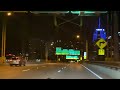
92 72
59 70
37 67
26 70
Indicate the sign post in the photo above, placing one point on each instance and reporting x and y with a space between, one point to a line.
101 43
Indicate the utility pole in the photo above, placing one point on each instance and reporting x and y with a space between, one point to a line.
116 45
46 52
86 50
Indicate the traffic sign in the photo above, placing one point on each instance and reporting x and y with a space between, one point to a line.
101 43
101 52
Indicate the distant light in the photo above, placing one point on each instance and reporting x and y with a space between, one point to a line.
109 37
78 36
51 44
9 14
100 29
119 33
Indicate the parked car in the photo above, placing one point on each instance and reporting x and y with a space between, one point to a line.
17 61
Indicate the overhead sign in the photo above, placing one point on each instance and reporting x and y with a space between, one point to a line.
59 51
101 52
101 43
72 57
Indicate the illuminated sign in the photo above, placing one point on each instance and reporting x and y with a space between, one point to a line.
101 43
81 58
101 52
65 52
72 57
59 51
84 55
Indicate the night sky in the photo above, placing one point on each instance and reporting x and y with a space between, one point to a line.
21 27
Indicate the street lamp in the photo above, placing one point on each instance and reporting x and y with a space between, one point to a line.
9 14
78 36
4 36
51 44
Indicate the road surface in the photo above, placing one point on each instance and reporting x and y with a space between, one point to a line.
50 71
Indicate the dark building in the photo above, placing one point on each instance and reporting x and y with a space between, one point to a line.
36 49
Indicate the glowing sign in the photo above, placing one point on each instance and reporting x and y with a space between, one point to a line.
101 43
65 52
81 58
72 57
59 51
101 52
75 12
84 55
74 52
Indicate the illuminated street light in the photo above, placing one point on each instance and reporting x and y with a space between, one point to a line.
4 37
9 14
78 36
51 44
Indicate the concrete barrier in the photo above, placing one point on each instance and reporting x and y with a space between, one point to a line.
115 74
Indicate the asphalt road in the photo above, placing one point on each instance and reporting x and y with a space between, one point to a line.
51 71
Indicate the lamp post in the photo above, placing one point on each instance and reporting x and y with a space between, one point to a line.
4 36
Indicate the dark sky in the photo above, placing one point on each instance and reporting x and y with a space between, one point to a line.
21 27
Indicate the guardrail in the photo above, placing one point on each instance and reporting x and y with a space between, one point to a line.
110 64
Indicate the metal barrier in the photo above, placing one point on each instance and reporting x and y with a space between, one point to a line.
109 64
